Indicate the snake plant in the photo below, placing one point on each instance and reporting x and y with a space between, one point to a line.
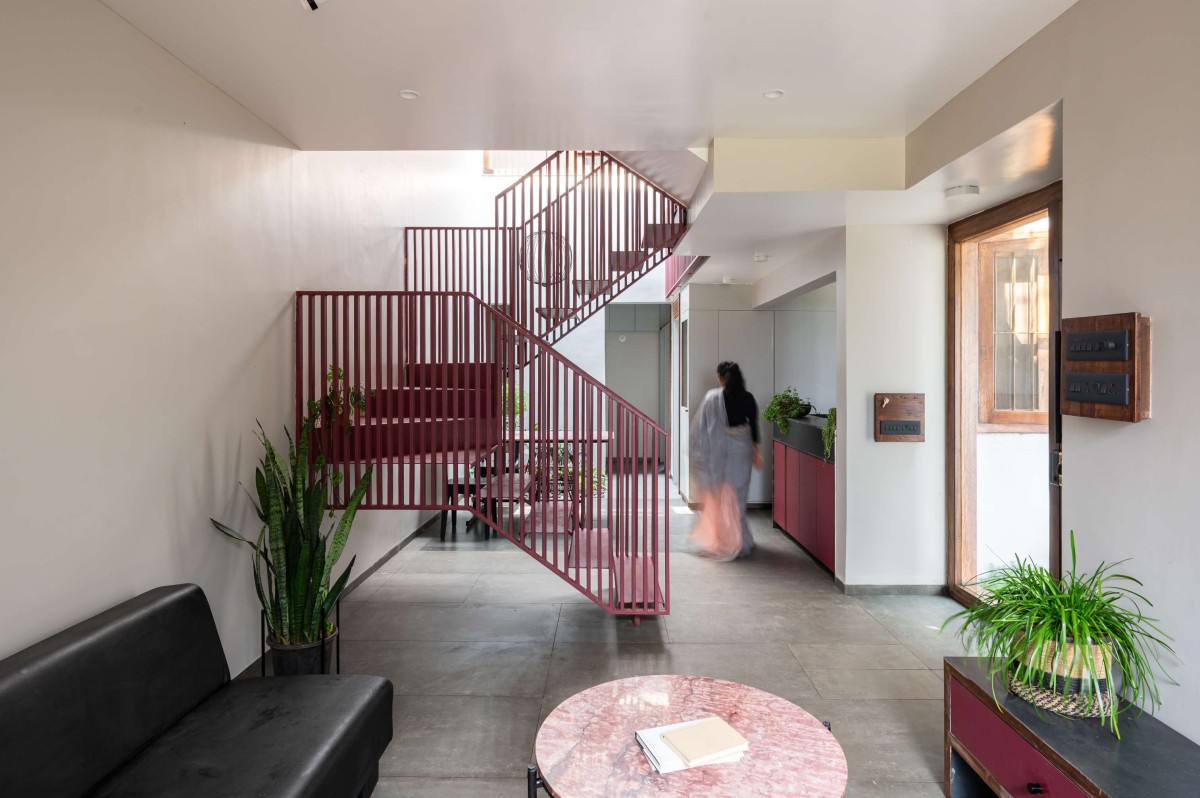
293 558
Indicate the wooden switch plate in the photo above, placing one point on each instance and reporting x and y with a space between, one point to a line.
900 417
1084 372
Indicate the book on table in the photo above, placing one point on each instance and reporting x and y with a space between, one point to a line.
666 758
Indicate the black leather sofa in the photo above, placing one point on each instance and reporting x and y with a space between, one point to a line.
137 701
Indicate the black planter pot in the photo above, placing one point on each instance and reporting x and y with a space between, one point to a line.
303 660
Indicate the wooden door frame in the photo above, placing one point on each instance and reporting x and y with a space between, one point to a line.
960 457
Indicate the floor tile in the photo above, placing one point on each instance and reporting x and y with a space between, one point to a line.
886 789
854 656
461 736
588 623
876 684
886 741
429 594
543 588
450 788
453 622
410 579
734 588
735 623
576 666
425 668
510 561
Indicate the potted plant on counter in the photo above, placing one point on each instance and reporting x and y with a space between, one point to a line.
1062 643
293 559
784 406
829 433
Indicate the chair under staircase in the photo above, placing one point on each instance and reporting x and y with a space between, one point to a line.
459 379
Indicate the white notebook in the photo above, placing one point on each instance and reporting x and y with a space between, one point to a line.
662 757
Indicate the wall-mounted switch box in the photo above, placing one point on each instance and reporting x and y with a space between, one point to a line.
900 417
1104 367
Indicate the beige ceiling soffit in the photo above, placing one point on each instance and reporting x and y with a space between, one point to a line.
767 165
1030 78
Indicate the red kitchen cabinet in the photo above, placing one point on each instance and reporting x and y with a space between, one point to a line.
778 480
825 530
803 500
793 512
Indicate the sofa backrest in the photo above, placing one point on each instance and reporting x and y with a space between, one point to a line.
77 705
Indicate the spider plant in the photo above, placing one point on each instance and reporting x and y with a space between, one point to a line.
1026 619
293 560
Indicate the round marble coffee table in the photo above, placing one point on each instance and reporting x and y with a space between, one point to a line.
586 747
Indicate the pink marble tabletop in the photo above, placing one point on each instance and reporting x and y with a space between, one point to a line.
586 748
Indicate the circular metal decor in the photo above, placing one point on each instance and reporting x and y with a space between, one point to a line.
547 258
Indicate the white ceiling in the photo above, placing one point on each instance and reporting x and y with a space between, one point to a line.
732 227
617 75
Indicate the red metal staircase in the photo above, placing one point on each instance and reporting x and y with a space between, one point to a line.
464 397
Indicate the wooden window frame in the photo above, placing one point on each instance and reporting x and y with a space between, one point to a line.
963 427
990 419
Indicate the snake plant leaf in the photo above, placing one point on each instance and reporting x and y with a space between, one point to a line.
260 484
312 607
274 507
233 533
342 531
315 499
299 469
267 604
300 587
335 592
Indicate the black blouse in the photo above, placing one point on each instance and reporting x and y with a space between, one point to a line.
740 408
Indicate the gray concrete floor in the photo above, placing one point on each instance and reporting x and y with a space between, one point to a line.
482 643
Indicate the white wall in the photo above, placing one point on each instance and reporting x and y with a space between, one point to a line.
1012 500
633 369
1126 73
894 316
152 233
806 346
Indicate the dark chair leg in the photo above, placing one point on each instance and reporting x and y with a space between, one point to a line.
454 523
534 781
443 524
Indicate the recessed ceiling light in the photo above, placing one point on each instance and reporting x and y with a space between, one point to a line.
409 94
773 94
761 257
968 190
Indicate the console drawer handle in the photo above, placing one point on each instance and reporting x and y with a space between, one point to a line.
1035 788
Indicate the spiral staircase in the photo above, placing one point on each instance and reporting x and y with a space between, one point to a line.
466 404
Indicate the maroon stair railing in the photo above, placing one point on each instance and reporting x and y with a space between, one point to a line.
569 236
456 405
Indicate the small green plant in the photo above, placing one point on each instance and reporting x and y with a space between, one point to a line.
293 559
340 402
786 405
829 432
1026 619
513 400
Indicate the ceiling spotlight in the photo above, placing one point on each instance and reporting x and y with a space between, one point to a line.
773 94
967 190
313 5
409 94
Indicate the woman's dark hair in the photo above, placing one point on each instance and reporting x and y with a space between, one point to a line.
732 374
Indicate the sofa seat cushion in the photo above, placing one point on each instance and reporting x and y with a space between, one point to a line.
280 737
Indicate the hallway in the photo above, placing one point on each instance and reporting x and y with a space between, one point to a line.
481 643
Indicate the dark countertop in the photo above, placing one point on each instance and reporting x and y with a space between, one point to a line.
1150 759
804 434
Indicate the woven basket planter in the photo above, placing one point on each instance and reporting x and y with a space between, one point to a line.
1059 681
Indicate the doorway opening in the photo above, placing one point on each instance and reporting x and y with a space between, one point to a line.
1005 436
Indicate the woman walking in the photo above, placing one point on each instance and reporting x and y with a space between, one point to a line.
723 446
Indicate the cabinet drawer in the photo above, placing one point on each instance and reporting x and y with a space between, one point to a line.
1008 757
